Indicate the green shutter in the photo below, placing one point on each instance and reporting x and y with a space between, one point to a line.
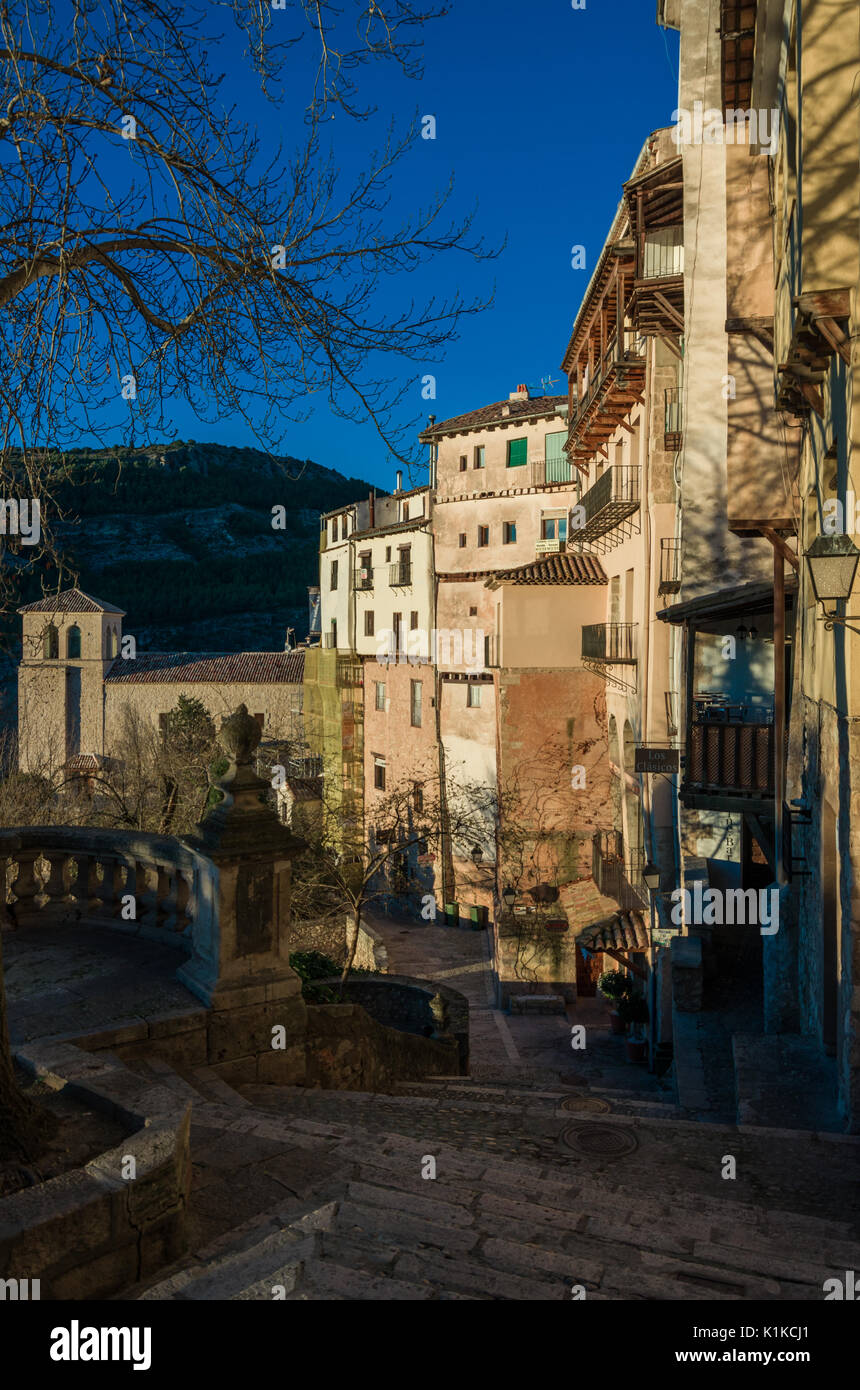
517 453
557 462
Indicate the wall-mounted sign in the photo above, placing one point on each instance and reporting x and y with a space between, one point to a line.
656 760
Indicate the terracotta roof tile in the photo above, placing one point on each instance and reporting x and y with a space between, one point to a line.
70 601
566 568
500 412
563 568
263 668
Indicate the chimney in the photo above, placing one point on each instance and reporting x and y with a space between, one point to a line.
398 480
521 394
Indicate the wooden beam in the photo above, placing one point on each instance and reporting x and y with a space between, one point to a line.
672 312
780 545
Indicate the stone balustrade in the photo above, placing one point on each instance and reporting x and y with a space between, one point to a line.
150 885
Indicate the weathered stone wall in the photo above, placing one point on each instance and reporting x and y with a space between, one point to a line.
349 1051
93 1231
403 1003
329 937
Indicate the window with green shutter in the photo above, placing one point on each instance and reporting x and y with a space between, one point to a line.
557 462
517 453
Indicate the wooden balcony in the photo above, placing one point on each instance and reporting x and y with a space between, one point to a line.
656 205
614 385
730 761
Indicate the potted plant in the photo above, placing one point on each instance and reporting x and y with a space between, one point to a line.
633 1009
614 985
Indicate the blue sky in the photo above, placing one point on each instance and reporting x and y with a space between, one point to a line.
540 113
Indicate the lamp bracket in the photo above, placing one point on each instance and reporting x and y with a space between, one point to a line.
831 620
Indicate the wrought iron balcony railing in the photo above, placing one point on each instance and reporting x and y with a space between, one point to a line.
615 875
400 574
609 642
670 565
364 578
672 428
608 506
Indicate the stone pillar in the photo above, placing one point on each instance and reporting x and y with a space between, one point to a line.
240 962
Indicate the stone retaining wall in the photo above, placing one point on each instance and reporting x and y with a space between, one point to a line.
403 1003
93 1231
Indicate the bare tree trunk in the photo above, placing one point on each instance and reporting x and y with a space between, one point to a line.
352 946
24 1127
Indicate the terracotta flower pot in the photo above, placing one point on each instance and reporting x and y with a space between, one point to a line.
637 1050
616 1024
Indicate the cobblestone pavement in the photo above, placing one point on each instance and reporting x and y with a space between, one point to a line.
553 1169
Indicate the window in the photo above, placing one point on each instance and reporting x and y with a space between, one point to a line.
397 624
405 516
558 465
418 797
464 463
379 774
415 704
368 622
51 643
413 622
334 633
462 540
553 528
473 612
509 533
365 570
473 695
380 694
517 452
480 456
334 574
483 535
387 553
73 641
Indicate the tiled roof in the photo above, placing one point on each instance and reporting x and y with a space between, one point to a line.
86 762
221 668
623 931
70 601
564 568
500 412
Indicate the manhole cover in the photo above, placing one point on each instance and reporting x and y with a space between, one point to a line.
598 1141
593 1104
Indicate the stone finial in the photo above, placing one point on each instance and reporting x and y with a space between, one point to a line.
240 736
439 1012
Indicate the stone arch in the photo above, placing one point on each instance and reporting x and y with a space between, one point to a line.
73 642
51 643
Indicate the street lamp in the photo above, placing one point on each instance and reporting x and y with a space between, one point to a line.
509 897
651 876
651 879
832 564
477 854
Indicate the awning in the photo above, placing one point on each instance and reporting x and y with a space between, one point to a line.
623 931
742 598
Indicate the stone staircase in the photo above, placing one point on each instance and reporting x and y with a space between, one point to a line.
486 1226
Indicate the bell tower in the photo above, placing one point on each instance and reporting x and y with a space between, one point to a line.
69 642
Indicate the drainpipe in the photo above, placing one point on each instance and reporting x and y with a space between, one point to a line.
781 553
778 707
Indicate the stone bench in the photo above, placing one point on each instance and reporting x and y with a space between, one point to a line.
537 1004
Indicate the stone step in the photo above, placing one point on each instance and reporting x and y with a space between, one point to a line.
212 1088
325 1278
248 1262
